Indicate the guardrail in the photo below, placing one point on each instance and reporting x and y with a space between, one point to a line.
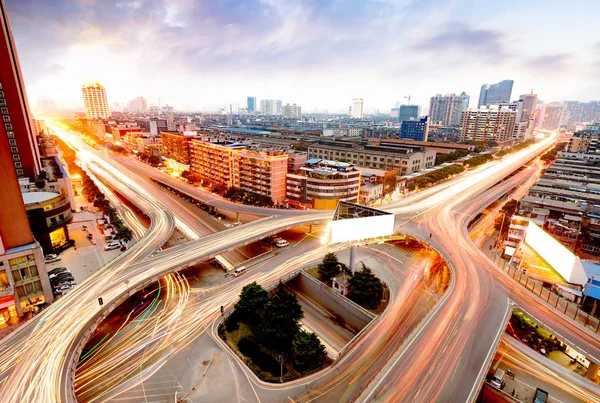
567 308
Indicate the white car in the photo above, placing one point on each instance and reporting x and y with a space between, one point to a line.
112 245
233 224
51 258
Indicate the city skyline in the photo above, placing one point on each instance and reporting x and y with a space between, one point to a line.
311 55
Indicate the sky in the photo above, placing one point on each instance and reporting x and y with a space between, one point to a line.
320 54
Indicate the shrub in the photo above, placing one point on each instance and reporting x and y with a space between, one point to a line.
261 359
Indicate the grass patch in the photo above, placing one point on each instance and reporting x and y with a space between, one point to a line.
314 271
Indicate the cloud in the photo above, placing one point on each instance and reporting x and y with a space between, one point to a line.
558 63
457 37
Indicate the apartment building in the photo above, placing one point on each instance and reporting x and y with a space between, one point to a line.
493 123
233 164
176 146
321 184
405 158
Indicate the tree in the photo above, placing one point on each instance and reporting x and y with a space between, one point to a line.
119 149
185 174
194 178
252 303
308 351
154 160
365 288
330 266
280 319
143 156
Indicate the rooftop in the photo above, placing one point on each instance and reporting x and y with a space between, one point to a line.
31 198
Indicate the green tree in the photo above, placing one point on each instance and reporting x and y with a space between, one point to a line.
308 351
280 319
185 174
330 266
252 303
365 288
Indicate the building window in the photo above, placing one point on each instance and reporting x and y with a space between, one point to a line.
2 102
6 118
1 94
14 150
18 165
8 126
16 157
10 135
12 142
20 172
4 110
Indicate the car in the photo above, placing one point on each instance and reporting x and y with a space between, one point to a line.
498 378
112 245
51 258
69 283
61 277
57 270
282 243
239 271
541 396
232 224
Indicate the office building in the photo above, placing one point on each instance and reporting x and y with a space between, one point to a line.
415 129
16 125
492 94
406 159
94 101
291 111
487 124
581 112
321 184
529 103
233 164
408 112
23 277
447 109
466 99
550 117
251 104
356 110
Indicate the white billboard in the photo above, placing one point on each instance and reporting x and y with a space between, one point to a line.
356 229
565 262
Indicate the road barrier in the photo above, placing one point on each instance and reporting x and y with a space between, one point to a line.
567 308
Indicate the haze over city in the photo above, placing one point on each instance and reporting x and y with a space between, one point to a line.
320 54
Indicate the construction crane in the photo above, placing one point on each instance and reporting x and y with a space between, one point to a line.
408 97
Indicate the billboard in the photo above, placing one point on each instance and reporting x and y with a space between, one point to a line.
355 229
565 262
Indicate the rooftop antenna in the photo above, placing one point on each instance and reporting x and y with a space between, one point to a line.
409 97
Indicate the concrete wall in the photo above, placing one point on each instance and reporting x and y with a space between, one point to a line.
354 315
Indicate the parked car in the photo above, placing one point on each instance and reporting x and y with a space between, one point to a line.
57 278
51 258
112 245
282 243
541 396
57 270
239 271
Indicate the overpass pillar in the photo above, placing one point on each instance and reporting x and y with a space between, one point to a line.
592 371
310 228
237 216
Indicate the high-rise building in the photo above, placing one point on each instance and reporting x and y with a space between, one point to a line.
415 129
550 117
251 104
94 100
278 106
267 106
138 104
447 109
487 124
291 111
466 99
16 125
356 111
492 94
408 112
24 280
581 112
529 102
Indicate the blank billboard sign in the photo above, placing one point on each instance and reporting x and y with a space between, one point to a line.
356 229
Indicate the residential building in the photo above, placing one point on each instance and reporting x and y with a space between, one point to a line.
94 101
16 124
370 192
39 127
233 164
447 109
583 143
580 112
356 110
408 112
176 148
251 104
150 145
138 104
492 94
343 132
267 107
550 117
278 106
321 184
487 124
157 125
389 156
296 160
415 129
292 111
